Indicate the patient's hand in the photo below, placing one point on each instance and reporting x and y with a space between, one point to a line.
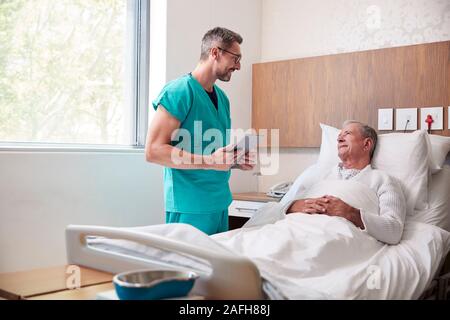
337 207
312 205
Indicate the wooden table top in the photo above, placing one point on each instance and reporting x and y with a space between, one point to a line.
37 282
84 293
254 196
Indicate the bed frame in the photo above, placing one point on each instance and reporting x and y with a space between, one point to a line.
439 288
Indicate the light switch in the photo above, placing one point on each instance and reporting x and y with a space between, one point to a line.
406 119
448 114
437 113
385 119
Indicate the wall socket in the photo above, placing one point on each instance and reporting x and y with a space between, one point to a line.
438 116
406 119
385 121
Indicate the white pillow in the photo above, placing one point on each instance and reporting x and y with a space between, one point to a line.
440 147
438 211
404 156
328 156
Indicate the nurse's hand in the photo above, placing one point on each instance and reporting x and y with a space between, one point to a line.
222 159
245 167
247 162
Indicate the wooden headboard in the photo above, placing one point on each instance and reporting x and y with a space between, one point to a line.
294 96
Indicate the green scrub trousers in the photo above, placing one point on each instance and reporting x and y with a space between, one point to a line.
209 223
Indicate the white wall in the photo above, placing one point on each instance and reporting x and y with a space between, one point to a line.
303 28
187 22
42 192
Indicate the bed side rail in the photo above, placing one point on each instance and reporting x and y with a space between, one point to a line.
232 277
444 280
439 288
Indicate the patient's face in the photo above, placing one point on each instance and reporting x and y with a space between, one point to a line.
350 142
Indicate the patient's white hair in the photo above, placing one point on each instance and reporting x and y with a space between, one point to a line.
366 132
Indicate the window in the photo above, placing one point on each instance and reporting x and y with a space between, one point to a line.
74 71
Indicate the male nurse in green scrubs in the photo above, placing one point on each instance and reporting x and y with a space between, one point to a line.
196 191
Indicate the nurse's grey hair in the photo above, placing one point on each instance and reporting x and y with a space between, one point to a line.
218 37
366 132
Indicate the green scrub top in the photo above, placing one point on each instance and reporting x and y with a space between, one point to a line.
187 190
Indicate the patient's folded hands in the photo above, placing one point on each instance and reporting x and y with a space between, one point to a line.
311 205
328 205
337 207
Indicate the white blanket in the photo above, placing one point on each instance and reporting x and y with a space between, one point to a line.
306 254
352 192
311 253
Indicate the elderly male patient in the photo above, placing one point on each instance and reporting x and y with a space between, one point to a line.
356 146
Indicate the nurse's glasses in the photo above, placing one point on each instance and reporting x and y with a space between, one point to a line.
236 57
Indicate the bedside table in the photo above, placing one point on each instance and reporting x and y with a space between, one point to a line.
244 205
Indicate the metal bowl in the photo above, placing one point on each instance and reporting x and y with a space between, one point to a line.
153 284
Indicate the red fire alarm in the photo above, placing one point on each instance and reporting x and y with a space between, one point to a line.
429 120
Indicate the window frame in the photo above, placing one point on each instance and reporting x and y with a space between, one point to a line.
142 65
139 99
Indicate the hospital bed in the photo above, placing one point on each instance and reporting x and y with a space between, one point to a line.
227 275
